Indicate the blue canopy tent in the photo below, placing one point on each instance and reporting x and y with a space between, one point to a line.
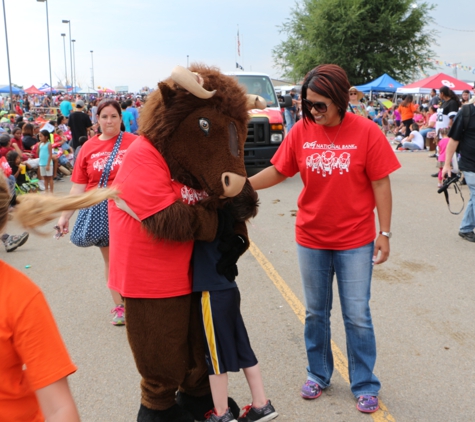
382 84
6 90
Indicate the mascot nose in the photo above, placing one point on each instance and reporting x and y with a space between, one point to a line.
232 184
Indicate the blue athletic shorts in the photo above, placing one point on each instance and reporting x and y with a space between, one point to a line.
226 341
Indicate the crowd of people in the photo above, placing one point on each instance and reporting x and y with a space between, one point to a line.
90 135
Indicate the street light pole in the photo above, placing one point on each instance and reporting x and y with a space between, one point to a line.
8 56
65 67
49 53
92 61
74 65
70 50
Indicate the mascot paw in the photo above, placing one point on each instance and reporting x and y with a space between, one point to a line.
199 406
173 414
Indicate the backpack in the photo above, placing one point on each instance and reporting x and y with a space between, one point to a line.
466 115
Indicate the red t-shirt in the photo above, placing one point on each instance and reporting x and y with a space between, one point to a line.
337 201
140 266
32 352
94 155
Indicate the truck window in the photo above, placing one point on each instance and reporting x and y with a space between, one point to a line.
259 85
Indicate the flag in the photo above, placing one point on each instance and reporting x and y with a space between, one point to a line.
238 44
238 66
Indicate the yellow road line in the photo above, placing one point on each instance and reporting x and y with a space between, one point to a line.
341 364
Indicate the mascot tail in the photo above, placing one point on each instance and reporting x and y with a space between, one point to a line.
33 210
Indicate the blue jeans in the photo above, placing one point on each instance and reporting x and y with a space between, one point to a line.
412 146
468 222
289 119
353 269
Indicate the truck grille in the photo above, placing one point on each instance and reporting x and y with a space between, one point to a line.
258 132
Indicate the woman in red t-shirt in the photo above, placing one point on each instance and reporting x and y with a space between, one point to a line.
35 363
87 173
344 161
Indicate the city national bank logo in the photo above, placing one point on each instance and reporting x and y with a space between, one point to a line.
330 159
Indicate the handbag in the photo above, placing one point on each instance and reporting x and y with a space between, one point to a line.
92 225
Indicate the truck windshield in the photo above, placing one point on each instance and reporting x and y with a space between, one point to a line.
259 85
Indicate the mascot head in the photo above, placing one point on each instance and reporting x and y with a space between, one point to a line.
197 120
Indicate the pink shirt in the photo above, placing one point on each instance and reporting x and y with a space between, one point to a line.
442 147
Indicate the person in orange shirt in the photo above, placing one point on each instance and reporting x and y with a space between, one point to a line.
34 362
407 109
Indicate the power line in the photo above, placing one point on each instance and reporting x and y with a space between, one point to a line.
459 30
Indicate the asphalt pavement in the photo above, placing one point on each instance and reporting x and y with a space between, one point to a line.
422 304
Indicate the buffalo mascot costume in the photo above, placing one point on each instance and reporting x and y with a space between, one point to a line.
183 179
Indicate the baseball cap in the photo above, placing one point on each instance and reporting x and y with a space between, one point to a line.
80 103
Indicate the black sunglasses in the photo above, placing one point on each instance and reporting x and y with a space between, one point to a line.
318 106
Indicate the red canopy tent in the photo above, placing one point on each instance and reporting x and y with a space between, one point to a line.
106 91
424 86
33 90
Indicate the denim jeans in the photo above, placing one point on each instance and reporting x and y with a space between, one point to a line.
468 221
289 119
353 269
411 146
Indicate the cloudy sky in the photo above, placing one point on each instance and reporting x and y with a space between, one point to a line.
137 43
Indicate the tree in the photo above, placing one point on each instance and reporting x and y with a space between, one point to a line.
365 37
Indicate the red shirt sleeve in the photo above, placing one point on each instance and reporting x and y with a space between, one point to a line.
381 159
80 175
285 160
145 195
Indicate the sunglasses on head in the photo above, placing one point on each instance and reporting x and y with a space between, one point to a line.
318 106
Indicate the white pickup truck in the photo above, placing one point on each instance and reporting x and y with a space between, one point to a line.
266 129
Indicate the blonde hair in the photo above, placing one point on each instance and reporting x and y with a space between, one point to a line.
4 200
33 210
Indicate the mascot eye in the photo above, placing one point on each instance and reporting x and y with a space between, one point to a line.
204 125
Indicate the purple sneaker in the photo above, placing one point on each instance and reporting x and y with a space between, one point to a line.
311 390
367 404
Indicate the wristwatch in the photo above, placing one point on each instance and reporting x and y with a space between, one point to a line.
387 234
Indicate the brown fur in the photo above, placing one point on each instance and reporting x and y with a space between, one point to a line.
173 223
167 108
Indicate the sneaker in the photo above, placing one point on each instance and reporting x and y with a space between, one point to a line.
41 184
311 390
435 174
263 414
211 416
367 404
470 236
119 315
15 241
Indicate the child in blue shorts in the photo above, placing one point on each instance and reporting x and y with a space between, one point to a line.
226 341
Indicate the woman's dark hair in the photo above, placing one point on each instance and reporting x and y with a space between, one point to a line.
11 158
82 140
45 133
60 119
449 93
415 127
433 109
328 80
4 139
407 101
28 129
15 129
465 91
108 102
